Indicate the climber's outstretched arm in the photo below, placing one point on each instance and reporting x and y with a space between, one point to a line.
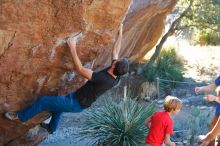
87 73
117 46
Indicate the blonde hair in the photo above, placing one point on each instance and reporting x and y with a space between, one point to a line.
172 103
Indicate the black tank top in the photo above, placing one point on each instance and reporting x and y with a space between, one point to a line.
101 81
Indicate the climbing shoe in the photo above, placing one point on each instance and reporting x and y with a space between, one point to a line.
46 126
11 115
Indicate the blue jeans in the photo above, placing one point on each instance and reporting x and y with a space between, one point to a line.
217 111
54 104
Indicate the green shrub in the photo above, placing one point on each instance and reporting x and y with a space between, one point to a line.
207 38
117 124
168 66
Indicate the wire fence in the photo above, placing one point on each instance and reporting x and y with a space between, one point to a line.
159 80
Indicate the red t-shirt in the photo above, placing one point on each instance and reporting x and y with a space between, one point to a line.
161 124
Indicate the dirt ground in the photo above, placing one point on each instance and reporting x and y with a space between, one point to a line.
202 67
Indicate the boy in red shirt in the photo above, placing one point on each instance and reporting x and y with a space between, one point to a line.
161 124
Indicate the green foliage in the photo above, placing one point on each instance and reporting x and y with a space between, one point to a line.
117 124
151 74
202 15
168 66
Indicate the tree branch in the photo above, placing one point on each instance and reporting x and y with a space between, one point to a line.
170 32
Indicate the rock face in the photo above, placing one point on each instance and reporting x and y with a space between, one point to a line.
35 60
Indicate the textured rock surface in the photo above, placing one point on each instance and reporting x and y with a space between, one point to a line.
35 60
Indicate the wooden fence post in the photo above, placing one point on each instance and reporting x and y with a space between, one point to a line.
158 87
125 93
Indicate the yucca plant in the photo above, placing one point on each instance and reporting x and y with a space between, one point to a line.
117 124
168 66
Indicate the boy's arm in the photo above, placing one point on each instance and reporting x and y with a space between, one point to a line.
167 140
148 122
87 73
117 46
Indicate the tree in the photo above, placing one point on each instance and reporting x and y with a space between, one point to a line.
199 14
204 14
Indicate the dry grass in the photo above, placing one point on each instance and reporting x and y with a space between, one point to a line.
201 62
147 90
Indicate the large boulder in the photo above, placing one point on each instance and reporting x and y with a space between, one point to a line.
35 59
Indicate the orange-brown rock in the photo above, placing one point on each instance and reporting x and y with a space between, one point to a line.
34 57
